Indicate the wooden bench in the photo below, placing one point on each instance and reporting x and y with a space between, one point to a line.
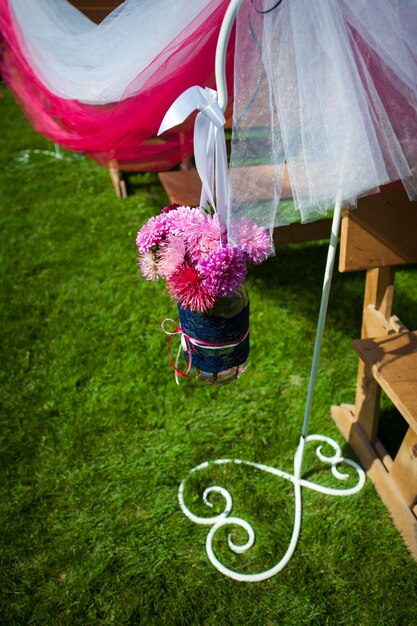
184 187
380 235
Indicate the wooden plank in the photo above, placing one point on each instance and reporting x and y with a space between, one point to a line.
377 324
368 396
383 454
396 324
404 519
182 187
380 232
299 233
178 185
404 468
393 362
379 292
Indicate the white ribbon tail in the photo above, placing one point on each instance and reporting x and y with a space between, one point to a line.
209 142
204 158
222 175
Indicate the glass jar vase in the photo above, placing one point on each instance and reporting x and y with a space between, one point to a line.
218 340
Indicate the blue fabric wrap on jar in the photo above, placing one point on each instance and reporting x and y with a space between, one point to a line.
212 329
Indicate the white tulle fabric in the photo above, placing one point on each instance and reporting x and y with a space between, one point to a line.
325 106
79 60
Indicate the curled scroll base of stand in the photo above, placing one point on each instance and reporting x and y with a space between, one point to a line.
226 519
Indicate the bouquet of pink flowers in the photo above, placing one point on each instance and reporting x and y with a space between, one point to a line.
188 248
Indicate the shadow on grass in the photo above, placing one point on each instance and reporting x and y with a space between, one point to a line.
299 269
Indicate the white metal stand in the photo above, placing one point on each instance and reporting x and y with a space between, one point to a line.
225 518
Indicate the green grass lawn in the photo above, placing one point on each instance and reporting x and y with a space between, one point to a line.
96 436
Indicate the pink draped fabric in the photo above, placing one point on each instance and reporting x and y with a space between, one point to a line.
125 130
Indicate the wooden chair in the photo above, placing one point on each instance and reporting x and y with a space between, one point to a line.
380 235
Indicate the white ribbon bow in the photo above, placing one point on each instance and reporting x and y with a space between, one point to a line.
209 143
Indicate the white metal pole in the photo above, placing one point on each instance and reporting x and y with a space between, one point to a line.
328 273
220 62
223 519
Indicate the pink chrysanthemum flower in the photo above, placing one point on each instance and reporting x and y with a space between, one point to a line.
254 241
171 256
152 233
186 287
148 266
180 220
224 270
204 237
